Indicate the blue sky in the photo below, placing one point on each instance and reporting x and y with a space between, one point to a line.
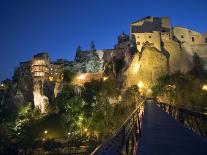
59 26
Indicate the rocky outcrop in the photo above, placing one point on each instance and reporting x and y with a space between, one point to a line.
145 70
179 59
40 100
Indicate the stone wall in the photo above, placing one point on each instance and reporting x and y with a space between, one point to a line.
132 72
179 60
150 24
153 38
81 79
153 64
147 69
187 35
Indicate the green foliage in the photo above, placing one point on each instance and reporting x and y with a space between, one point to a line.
50 145
68 75
181 89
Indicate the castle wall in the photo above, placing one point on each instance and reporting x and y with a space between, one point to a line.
147 69
179 60
150 24
153 64
153 38
186 35
191 41
132 72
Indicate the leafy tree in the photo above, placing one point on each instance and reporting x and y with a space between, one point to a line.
68 75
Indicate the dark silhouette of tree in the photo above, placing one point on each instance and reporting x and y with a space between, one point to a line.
92 46
78 56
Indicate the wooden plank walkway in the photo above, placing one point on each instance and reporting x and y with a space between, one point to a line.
163 135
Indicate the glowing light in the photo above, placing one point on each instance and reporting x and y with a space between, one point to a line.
56 73
204 87
51 69
2 84
85 129
136 67
45 132
81 77
105 78
69 133
149 90
18 133
140 84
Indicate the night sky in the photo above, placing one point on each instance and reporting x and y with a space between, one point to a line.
59 26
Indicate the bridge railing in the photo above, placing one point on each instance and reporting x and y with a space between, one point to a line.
195 121
125 139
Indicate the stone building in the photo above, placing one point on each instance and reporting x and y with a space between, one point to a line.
161 46
40 66
39 80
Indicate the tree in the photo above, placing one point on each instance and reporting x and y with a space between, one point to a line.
78 57
92 46
93 63
68 75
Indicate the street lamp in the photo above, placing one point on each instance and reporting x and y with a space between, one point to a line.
140 84
81 77
105 78
204 87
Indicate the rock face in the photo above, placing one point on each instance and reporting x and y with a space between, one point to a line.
40 100
178 58
147 69
153 64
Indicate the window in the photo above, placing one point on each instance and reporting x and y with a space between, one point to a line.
182 36
162 44
150 37
163 31
206 40
193 39
138 43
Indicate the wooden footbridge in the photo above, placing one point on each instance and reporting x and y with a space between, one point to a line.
159 129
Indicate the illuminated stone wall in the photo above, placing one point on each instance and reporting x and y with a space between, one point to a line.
86 77
145 71
40 101
153 38
132 72
153 64
179 59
